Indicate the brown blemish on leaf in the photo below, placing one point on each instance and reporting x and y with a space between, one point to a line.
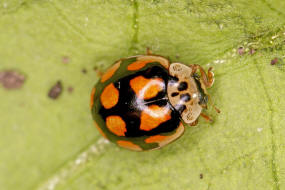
84 71
70 89
11 79
274 61
55 91
240 51
65 59
252 51
201 176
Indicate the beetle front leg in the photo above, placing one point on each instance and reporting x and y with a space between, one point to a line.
148 51
206 117
211 78
194 123
206 79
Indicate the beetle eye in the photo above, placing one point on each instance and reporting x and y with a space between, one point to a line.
195 75
203 99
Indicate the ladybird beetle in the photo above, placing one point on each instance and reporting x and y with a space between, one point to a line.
142 102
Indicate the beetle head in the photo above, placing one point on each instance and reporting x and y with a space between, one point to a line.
184 93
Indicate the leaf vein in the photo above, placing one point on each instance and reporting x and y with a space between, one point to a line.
273 9
71 165
65 19
135 26
273 143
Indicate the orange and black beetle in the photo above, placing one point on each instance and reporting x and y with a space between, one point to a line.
142 101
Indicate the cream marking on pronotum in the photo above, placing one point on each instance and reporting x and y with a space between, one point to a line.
72 166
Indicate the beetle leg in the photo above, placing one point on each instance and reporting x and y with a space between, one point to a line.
194 123
148 51
211 78
206 79
98 72
207 118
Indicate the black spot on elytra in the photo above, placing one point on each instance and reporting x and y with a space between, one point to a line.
182 86
185 97
174 94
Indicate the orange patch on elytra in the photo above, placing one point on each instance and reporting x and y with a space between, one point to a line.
155 139
92 97
116 125
139 64
146 88
100 130
110 72
153 116
129 145
110 96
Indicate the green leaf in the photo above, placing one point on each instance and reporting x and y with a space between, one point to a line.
52 144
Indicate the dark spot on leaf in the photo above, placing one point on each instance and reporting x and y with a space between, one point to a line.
182 86
201 176
274 61
240 51
70 89
84 71
65 59
11 79
252 51
55 91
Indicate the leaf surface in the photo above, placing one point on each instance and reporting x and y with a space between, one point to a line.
52 143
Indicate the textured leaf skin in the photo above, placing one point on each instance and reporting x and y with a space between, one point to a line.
52 144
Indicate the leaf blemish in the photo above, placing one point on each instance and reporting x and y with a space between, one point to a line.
241 51
65 59
11 79
55 90
274 61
